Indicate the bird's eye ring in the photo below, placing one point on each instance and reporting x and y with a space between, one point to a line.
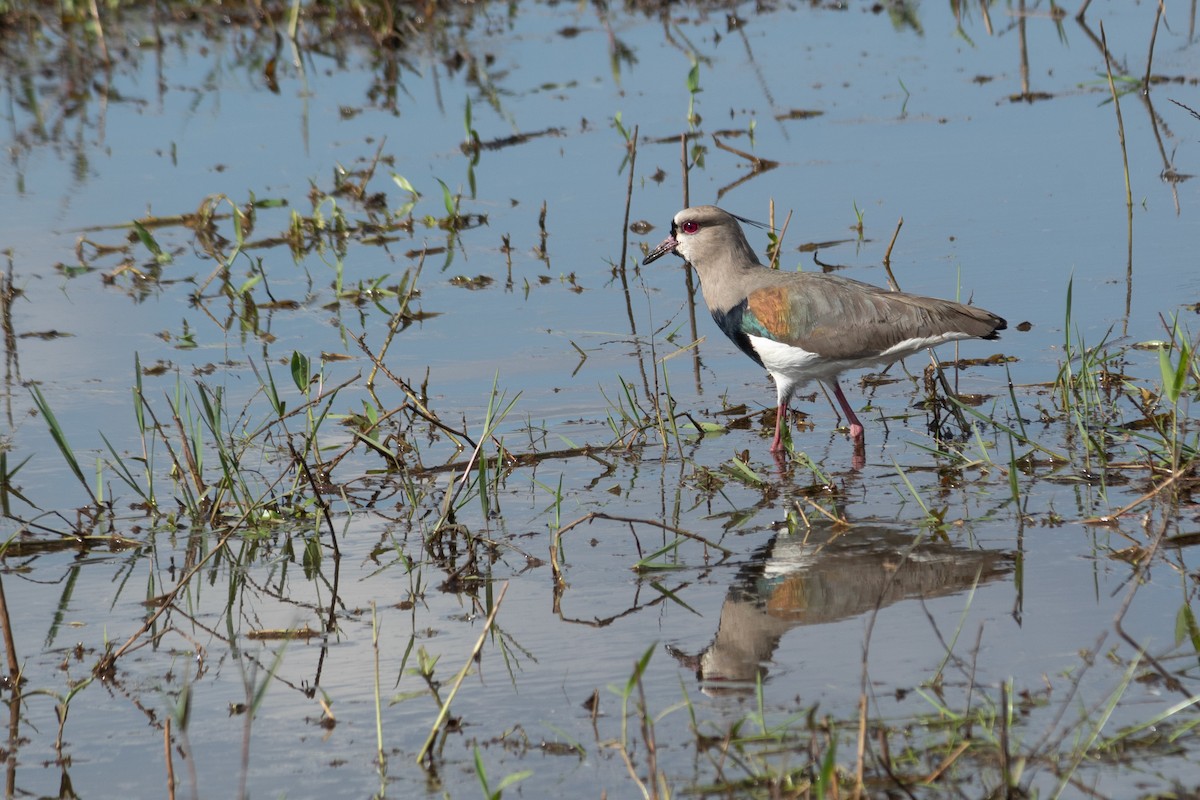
690 226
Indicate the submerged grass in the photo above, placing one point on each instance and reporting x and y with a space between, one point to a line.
253 501
270 468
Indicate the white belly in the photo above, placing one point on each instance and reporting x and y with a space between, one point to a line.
792 366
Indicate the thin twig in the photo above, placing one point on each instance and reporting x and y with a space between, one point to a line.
462 673
10 647
887 256
169 760
628 198
1005 754
100 34
689 277
779 241
1107 519
683 157
1189 109
834 518
757 164
946 762
861 750
1112 88
1150 55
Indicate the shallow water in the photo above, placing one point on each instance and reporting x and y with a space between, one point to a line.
1004 202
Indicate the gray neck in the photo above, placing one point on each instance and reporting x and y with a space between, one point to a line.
729 270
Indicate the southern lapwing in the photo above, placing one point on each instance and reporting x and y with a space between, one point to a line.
804 326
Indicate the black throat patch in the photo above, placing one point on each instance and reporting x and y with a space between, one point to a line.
730 322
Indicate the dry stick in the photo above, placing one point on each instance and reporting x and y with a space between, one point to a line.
1108 519
656 778
862 744
1120 122
462 673
451 496
1024 47
628 200
632 770
779 241
169 760
380 756
369 172
324 506
946 763
884 759
188 455
331 623
757 164
689 278
684 159
834 518
1005 756
1188 109
527 459
621 271
1168 167
100 35
1082 10
887 257
1149 56
10 647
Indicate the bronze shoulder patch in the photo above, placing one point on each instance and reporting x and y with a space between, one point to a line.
770 310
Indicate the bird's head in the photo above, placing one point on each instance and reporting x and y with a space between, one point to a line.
699 230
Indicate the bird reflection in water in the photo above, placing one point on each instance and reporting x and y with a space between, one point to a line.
826 577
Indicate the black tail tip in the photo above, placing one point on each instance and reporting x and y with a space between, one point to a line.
1001 324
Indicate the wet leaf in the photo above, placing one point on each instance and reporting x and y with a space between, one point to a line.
448 200
300 370
151 244
403 183
1186 628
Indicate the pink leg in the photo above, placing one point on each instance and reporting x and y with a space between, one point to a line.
856 428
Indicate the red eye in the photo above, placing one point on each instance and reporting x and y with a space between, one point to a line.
690 226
